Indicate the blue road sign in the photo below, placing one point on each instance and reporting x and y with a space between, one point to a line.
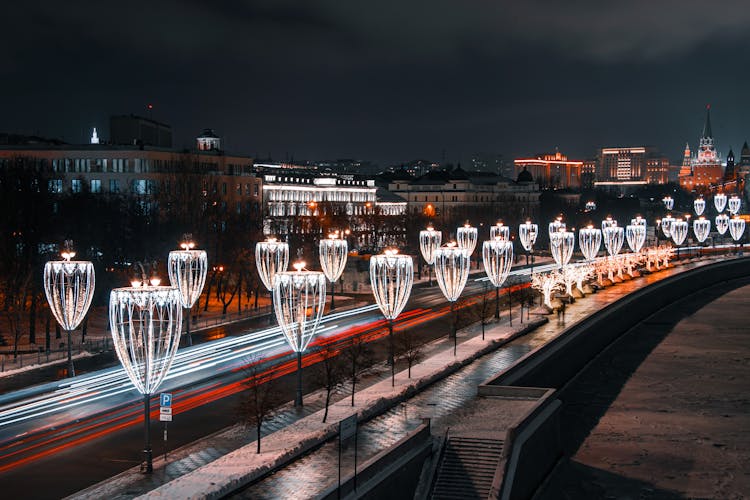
165 399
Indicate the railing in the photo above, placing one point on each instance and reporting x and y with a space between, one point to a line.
9 361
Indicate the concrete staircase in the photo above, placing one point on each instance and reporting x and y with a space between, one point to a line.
467 468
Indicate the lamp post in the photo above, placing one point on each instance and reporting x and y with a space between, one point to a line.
429 241
666 225
636 236
737 228
527 233
589 241
734 204
69 287
499 230
699 204
146 324
701 229
299 298
333 254
497 256
391 279
555 226
187 272
720 202
451 272
613 236
679 232
668 202
466 237
561 245
271 257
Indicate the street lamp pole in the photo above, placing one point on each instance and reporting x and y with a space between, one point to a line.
333 255
187 270
451 272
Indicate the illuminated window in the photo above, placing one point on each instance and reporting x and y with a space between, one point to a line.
75 185
114 185
96 186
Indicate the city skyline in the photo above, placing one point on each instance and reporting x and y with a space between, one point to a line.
403 82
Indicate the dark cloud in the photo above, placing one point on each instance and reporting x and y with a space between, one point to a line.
384 80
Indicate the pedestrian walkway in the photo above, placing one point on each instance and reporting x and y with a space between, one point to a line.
441 402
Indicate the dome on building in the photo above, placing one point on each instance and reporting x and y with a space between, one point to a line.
208 141
524 176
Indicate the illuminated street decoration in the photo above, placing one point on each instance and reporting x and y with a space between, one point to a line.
701 228
568 277
638 221
666 225
736 227
668 202
333 255
391 279
497 256
734 204
722 223
429 241
636 236
527 233
581 274
699 204
452 271
561 246
500 230
555 226
589 241
613 238
720 202
590 206
271 257
679 231
608 222
547 283
146 324
69 287
299 298
187 270
466 237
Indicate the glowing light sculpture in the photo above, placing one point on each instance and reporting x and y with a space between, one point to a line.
736 228
499 230
666 226
334 252
589 241
466 237
547 283
187 270
271 257
561 246
679 233
699 205
608 222
556 226
734 204
722 223
668 202
636 236
299 298
720 202
527 233
146 324
590 206
701 228
429 241
451 272
69 287
613 239
497 256
391 278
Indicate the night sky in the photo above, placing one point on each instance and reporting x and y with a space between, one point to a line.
387 81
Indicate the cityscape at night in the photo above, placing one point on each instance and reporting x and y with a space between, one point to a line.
400 250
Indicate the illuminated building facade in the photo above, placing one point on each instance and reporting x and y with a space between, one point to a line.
705 168
552 171
630 166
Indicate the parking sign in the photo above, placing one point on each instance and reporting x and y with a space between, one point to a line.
165 399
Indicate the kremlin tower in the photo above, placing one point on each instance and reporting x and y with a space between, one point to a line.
705 167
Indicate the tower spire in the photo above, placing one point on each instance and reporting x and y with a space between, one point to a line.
707 133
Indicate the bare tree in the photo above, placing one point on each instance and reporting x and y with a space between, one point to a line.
484 309
329 372
409 349
358 358
261 398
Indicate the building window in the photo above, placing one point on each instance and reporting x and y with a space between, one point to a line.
55 185
75 185
96 186
114 185
255 190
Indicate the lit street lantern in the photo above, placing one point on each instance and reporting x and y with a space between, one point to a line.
636 236
391 279
561 245
187 270
429 241
699 204
668 202
299 298
589 241
497 256
333 254
271 257
734 204
451 271
69 287
466 237
146 324
527 233
666 226
720 202
736 228
555 226
499 230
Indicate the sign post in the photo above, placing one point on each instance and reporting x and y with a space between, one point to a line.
165 415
